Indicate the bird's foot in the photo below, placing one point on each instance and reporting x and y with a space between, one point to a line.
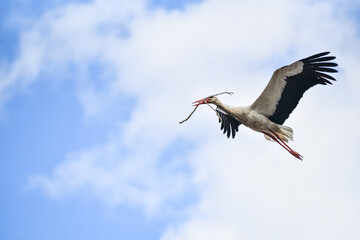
297 155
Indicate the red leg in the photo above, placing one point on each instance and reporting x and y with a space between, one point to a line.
280 143
294 153
284 145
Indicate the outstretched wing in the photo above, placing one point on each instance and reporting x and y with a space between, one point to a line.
229 125
288 84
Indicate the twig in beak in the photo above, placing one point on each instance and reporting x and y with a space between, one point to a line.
202 101
230 93
189 115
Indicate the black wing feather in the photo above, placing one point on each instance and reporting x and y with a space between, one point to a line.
323 64
229 125
323 75
322 59
312 74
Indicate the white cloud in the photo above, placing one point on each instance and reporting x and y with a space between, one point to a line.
112 175
248 188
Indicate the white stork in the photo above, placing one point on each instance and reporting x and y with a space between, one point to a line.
280 97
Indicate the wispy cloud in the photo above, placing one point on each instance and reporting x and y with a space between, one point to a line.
161 60
116 175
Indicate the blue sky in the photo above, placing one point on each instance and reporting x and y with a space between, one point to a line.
91 93
46 121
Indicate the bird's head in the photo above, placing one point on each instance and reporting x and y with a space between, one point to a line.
210 99
207 100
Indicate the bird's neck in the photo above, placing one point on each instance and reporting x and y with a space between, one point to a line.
227 109
239 113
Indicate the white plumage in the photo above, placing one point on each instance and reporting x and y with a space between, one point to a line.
279 98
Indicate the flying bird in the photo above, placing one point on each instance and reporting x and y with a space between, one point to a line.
277 101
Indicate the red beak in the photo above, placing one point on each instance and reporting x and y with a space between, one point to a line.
201 101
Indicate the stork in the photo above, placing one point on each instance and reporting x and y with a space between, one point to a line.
277 101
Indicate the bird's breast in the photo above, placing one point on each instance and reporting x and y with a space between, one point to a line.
256 121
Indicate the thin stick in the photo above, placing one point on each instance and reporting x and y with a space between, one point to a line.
189 115
230 93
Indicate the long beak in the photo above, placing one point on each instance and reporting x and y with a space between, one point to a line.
199 102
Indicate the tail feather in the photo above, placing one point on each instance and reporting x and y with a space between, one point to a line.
287 133
284 132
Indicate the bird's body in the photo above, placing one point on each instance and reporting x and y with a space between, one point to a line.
279 98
